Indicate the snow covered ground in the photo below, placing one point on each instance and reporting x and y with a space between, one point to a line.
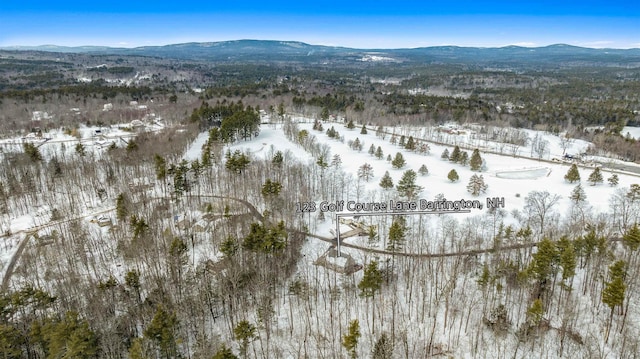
508 177
634 132
8 247
436 181
194 152
270 140
95 139
524 173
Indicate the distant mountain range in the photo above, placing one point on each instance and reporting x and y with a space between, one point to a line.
287 51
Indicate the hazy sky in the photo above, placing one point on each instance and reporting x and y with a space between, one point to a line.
360 24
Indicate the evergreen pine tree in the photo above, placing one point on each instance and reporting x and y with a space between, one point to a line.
613 180
350 340
244 332
455 155
535 313
161 167
411 144
567 253
324 114
224 353
237 162
632 237
331 132
634 192
464 158
69 337
136 350
371 280
578 195
132 145
397 235
398 161
57 168
322 163
372 234
277 159
121 207
445 154
386 182
407 186
303 135
453 176
485 277
180 181
423 170
614 290
271 188
229 247
162 330
595 176
379 153
32 151
196 169
363 131
372 150
476 161
351 125
80 150
573 175
544 261
355 145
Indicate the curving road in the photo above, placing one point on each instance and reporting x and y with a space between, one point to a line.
12 263
252 209
30 231
28 234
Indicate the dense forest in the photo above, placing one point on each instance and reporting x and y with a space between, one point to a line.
205 256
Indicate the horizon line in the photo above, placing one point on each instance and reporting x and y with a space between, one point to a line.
125 46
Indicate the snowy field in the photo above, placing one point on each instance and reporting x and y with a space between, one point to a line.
634 132
507 176
270 140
